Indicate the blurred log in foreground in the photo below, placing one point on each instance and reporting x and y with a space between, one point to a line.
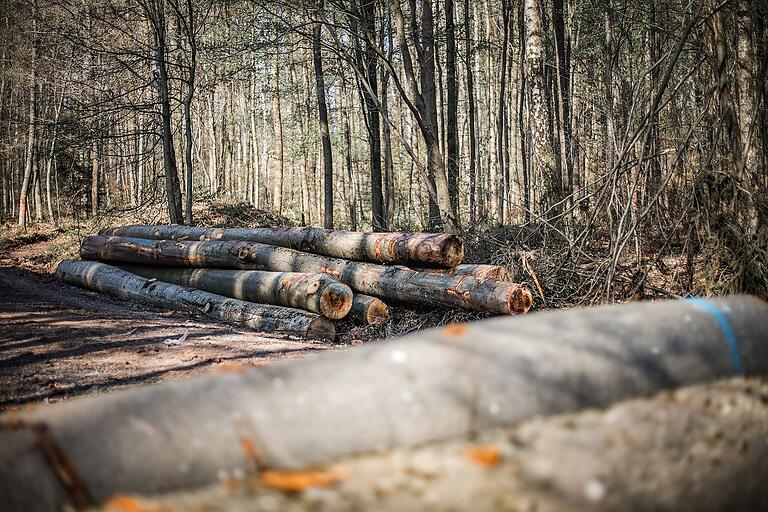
431 249
388 282
673 451
125 285
437 384
319 293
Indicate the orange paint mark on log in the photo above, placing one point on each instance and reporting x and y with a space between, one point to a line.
455 329
124 503
329 270
465 295
253 452
488 455
298 481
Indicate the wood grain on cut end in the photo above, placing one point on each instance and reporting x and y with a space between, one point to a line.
520 300
321 328
336 301
452 251
367 310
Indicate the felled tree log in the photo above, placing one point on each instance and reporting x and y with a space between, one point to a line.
368 310
434 385
125 285
478 271
436 249
319 293
388 282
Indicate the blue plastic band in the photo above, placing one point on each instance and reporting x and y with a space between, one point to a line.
725 327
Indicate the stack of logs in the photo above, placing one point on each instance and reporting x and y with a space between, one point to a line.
289 280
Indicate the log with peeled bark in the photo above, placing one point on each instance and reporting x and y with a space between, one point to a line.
125 285
476 270
429 249
368 310
319 293
388 282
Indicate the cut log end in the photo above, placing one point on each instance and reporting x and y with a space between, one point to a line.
453 251
377 312
520 300
322 329
368 310
335 301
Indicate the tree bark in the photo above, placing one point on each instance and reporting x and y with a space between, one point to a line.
367 61
277 197
388 282
392 247
156 14
478 271
28 166
541 140
325 134
452 107
468 57
318 293
125 285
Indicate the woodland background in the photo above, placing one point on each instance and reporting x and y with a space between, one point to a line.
610 149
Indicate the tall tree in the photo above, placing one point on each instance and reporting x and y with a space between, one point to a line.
322 109
28 166
452 106
155 12
367 61
424 105
542 154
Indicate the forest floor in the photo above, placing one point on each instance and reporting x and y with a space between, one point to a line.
58 341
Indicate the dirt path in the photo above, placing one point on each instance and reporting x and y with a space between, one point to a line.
58 341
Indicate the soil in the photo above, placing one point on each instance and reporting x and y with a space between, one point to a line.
58 341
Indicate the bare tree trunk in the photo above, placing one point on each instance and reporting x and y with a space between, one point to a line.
452 107
156 14
367 61
325 134
28 166
277 197
191 37
468 57
501 118
51 158
350 176
541 140
562 87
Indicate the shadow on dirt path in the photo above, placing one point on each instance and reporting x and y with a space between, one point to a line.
59 341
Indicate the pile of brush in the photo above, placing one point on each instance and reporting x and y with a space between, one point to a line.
289 280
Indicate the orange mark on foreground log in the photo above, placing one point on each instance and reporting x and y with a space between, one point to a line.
455 329
253 452
487 455
123 503
298 481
